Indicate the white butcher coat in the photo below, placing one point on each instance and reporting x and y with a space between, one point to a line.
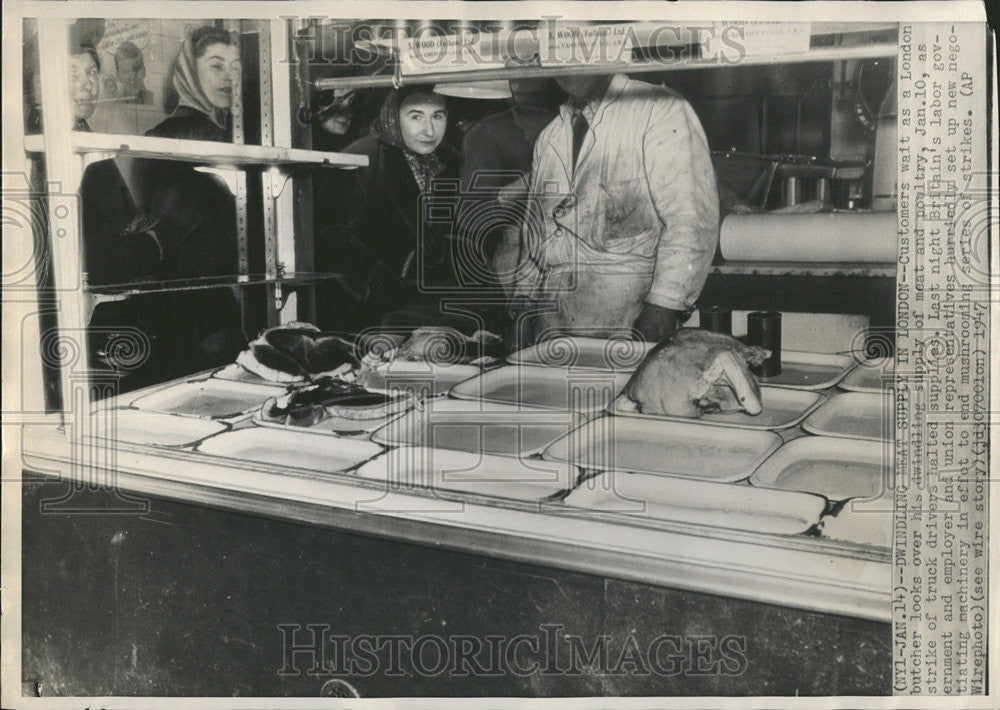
637 221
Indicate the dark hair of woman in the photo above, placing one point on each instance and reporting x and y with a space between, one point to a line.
202 37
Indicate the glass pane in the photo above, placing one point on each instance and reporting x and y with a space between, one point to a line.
132 76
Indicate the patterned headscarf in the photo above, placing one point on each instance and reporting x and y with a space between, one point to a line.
386 128
189 88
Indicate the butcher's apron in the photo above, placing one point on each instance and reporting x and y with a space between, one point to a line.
593 299
598 226
599 256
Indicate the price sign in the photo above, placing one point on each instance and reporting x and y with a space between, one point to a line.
574 43
730 41
429 54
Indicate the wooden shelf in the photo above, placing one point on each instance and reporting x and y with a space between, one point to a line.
204 152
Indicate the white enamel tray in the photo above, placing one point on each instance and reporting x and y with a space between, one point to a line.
331 426
478 427
653 497
663 447
856 415
866 522
482 474
584 353
133 426
547 387
235 372
208 399
783 408
829 466
290 448
419 376
810 371
871 376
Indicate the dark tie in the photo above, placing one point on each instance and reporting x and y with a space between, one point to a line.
579 131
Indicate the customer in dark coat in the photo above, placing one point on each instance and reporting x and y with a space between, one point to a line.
370 225
496 171
194 212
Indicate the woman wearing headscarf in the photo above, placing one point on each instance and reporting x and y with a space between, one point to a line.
195 210
370 224
193 213
203 77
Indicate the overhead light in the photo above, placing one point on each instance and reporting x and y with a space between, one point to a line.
499 89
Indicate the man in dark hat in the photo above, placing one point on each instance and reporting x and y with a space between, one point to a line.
335 119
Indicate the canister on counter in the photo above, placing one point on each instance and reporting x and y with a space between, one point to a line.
764 329
716 319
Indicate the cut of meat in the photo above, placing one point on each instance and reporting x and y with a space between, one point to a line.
302 349
308 405
697 371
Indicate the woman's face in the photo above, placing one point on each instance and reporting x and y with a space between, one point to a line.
217 69
423 119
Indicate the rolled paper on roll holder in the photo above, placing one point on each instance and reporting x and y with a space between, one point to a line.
868 237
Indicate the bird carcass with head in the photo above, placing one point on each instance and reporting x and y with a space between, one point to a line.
695 371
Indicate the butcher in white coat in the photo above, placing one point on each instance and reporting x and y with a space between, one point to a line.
623 216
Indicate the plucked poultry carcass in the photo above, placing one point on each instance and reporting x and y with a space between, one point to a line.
443 346
693 372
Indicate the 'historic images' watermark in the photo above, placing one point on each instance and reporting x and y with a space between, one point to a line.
311 649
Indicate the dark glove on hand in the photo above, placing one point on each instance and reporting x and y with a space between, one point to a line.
656 324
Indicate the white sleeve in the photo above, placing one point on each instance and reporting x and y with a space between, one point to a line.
682 184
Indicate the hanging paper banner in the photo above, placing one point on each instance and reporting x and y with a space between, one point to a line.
430 54
730 41
565 43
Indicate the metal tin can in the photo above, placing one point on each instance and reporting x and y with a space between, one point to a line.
764 329
716 319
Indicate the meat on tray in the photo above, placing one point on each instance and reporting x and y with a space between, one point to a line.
444 346
696 371
310 404
302 349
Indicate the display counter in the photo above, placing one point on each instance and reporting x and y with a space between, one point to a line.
721 543
792 571
312 484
